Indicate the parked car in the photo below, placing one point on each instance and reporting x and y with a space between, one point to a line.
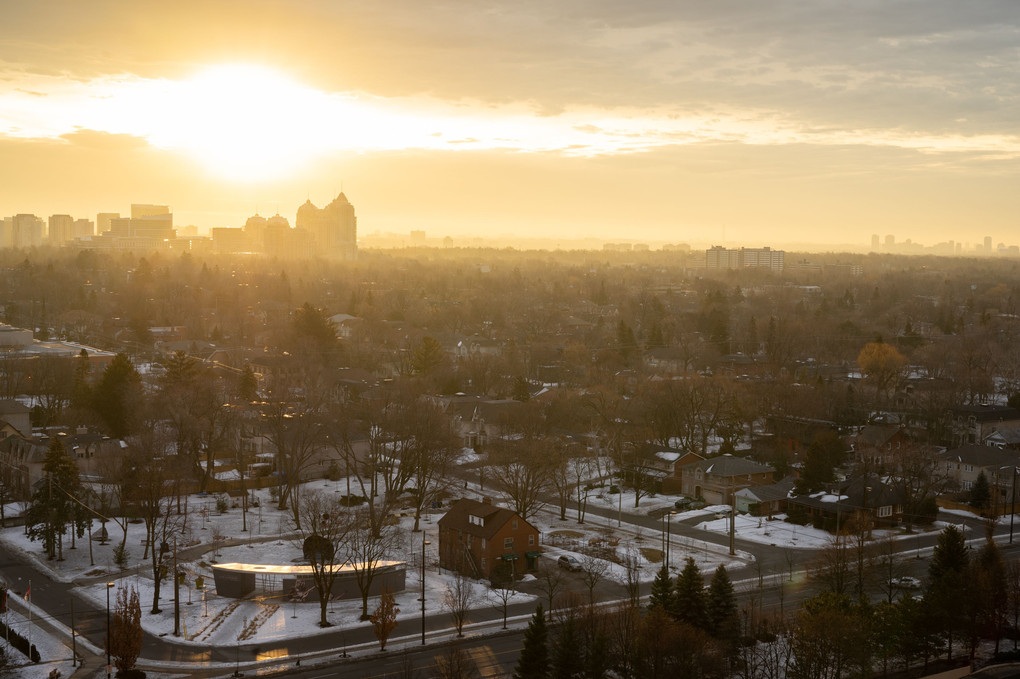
683 503
569 562
906 582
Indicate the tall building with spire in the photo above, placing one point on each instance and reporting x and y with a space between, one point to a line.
333 229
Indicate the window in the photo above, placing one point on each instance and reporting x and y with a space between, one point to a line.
483 563
531 539
515 524
483 544
508 543
885 511
968 467
475 520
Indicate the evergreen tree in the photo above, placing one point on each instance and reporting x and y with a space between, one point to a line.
980 493
568 659
54 504
247 385
721 603
118 395
534 660
662 590
949 595
689 601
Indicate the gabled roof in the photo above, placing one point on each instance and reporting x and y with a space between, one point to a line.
492 517
727 465
769 493
987 412
982 456
878 435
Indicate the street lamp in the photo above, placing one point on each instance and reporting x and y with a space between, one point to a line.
109 666
424 542
669 522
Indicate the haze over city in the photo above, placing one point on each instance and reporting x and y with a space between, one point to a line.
774 123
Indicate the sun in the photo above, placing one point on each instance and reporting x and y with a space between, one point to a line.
244 122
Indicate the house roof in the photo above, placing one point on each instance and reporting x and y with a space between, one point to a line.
727 465
987 412
769 493
878 435
982 456
492 518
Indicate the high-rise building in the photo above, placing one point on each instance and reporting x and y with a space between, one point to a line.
333 229
103 221
874 242
83 228
60 229
988 244
140 210
890 241
719 257
28 231
7 232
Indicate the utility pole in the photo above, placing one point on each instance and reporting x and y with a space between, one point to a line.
177 595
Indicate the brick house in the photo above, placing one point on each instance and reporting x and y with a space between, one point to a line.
716 479
475 536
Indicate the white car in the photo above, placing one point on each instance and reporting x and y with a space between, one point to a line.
906 582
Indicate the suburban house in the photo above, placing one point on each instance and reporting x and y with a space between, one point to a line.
795 434
764 500
974 423
476 536
861 496
879 445
675 459
716 479
964 464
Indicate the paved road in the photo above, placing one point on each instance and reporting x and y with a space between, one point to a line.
55 599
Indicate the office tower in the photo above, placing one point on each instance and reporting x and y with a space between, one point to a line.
28 231
988 244
83 228
60 229
103 220
890 241
874 242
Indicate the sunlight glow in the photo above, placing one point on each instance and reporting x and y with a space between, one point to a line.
251 123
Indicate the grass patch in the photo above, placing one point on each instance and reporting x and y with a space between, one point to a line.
651 554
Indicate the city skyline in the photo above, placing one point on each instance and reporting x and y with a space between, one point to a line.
772 124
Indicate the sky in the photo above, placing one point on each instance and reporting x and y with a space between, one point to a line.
764 122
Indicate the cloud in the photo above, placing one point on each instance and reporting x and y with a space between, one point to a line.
95 139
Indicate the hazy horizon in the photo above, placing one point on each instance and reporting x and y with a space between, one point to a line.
766 124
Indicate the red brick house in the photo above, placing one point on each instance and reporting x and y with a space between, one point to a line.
475 536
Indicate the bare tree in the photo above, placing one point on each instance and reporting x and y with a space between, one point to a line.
324 528
457 601
384 618
502 596
551 581
455 664
593 571
366 550
522 473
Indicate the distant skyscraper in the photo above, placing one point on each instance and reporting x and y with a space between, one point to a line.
890 241
988 243
7 232
334 228
874 242
103 221
140 210
28 231
60 229
83 228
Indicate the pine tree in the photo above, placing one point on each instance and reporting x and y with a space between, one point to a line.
568 661
980 492
662 590
723 623
54 504
689 602
534 660
948 596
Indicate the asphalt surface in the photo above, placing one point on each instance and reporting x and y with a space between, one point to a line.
771 569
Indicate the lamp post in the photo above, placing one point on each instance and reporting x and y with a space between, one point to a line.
1012 506
424 542
669 522
109 666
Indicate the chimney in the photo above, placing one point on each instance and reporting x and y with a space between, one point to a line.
487 500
